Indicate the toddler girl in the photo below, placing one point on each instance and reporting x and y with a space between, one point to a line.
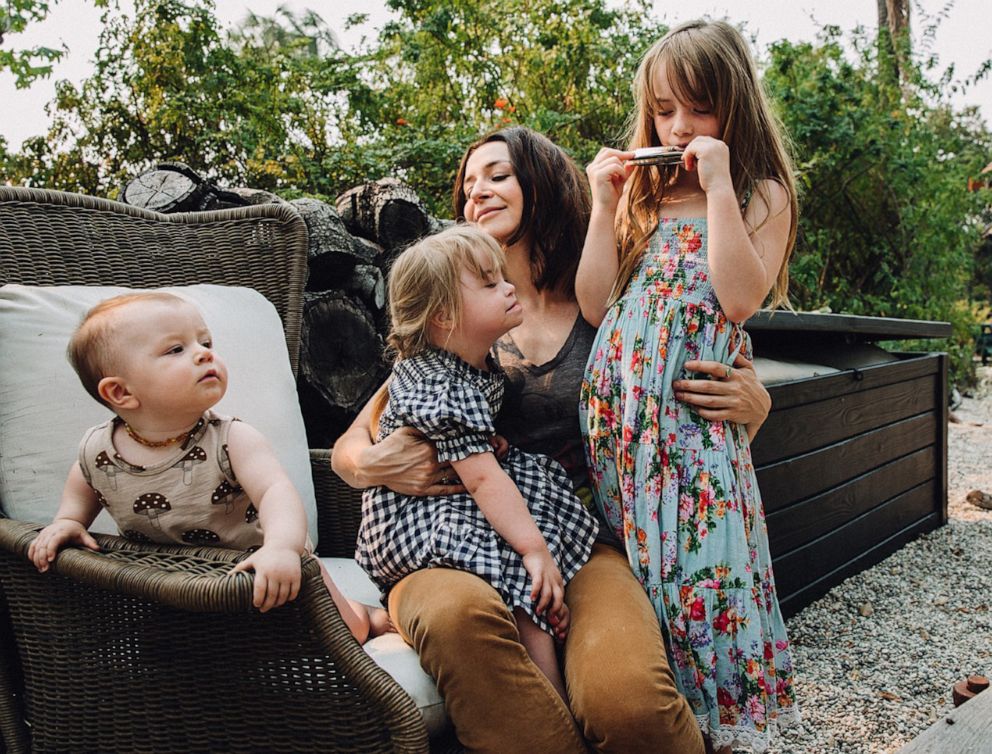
170 470
517 524
676 257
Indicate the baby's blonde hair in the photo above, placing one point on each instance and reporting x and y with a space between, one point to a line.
707 62
424 281
93 348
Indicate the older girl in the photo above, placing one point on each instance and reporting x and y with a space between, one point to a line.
675 259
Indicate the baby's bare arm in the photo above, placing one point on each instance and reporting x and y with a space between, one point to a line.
76 512
280 514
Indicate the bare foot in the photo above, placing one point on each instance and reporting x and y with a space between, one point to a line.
379 622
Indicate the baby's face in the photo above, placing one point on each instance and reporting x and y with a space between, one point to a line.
166 357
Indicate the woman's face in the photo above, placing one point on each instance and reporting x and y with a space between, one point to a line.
493 199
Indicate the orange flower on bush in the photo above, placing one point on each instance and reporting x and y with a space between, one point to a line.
402 122
501 102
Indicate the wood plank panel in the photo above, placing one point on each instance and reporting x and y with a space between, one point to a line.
807 427
817 587
792 479
815 517
965 730
804 323
798 568
800 392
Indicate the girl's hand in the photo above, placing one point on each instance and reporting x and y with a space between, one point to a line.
607 175
277 576
548 586
54 537
406 463
711 157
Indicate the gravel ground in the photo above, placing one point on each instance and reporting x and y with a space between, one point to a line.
877 656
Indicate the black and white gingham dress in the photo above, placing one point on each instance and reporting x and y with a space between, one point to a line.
453 404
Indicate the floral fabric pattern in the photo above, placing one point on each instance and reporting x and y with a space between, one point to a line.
680 493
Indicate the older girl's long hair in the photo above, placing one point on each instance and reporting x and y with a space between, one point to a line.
707 62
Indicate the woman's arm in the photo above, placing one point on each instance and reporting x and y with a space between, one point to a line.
405 461
739 398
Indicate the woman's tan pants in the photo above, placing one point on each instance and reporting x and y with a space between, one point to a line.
620 687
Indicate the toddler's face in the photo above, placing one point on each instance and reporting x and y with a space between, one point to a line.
489 304
167 358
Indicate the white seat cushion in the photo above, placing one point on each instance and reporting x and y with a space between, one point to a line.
389 651
44 409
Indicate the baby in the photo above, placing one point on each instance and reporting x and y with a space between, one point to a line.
170 470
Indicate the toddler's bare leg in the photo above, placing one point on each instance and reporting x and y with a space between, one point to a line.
541 648
355 614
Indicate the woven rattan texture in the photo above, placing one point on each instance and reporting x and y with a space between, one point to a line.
336 534
54 238
154 648
179 661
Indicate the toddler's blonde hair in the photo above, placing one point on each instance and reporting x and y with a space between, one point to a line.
707 62
424 281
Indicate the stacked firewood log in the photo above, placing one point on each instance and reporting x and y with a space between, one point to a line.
345 314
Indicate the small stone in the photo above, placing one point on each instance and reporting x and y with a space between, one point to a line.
940 599
866 610
979 499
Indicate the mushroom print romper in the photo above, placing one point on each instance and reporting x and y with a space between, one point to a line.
680 492
452 403
190 498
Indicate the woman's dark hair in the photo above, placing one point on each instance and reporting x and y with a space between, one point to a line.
556 204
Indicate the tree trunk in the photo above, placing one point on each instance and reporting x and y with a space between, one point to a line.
340 350
387 212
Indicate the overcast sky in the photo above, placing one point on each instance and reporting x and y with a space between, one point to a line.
962 38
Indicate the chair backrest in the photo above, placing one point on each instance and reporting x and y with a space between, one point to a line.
55 238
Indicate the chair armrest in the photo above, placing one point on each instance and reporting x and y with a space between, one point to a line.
158 647
339 508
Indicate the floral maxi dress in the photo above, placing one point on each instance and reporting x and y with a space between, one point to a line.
680 492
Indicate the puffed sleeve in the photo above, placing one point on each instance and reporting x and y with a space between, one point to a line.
453 413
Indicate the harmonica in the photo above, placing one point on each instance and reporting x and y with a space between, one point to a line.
657 156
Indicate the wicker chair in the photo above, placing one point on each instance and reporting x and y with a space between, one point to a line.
150 648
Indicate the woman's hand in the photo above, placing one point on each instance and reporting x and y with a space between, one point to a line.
732 394
406 463
711 157
607 174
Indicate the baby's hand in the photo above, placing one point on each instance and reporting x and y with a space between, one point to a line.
548 586
277 576
54 537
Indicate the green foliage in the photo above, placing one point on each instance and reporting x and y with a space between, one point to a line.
442 73
26 65
887 226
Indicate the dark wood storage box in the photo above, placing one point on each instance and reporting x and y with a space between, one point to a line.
852 464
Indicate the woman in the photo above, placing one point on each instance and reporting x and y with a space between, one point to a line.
524 191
